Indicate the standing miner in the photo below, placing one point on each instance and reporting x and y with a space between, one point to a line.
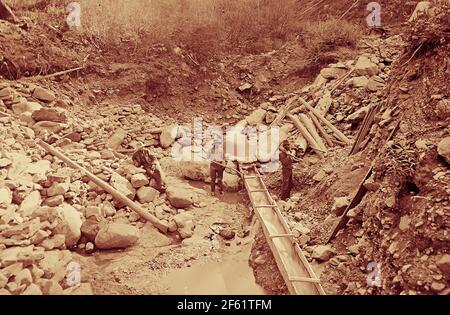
286 157
217 164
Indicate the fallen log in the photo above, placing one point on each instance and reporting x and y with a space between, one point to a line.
306 134
282 113
337 133
341 80
322 130
309 125
324 104
58 73
108 188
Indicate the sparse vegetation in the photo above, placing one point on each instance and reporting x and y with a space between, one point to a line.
205 27
324 36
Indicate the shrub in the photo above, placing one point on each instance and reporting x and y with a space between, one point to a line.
323 37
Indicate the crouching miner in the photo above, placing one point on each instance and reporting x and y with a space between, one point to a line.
143 158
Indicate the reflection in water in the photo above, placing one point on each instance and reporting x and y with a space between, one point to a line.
233 275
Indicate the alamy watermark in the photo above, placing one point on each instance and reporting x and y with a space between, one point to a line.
374 277
245 144
73 277
73 18
374 18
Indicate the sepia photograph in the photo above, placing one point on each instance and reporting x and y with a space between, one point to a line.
225 153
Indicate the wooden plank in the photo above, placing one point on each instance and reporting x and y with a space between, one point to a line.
322 130
312 142
282 113
303 279
359 195
6 13
363 130
309 125
265 206
336 131
282 235
361 190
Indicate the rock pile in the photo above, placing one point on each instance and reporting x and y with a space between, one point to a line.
47 208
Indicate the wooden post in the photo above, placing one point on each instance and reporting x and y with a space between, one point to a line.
116 194
313 131
322 130
306 134
284 110
338 134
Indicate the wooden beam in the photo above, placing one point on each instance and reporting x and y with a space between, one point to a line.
307 122
338 134
306 134
360 193
282 113
322 130
163 227
57 73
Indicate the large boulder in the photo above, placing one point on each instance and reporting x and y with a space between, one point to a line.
358 115
58 189
30 203
40 168
195 170
168 136
179 196
25 106
139 180
443 148
340 204
43 95
443 108
364 66
147 194
231 182
5 197
185 224
357 82
94 222
49 114
332 73
322 252
117 235
443 263
375 83
422 9
116 140
50 126
122 185
69 224
257 117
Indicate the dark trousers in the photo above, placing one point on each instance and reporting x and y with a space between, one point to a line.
287 183
156 175
216 173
